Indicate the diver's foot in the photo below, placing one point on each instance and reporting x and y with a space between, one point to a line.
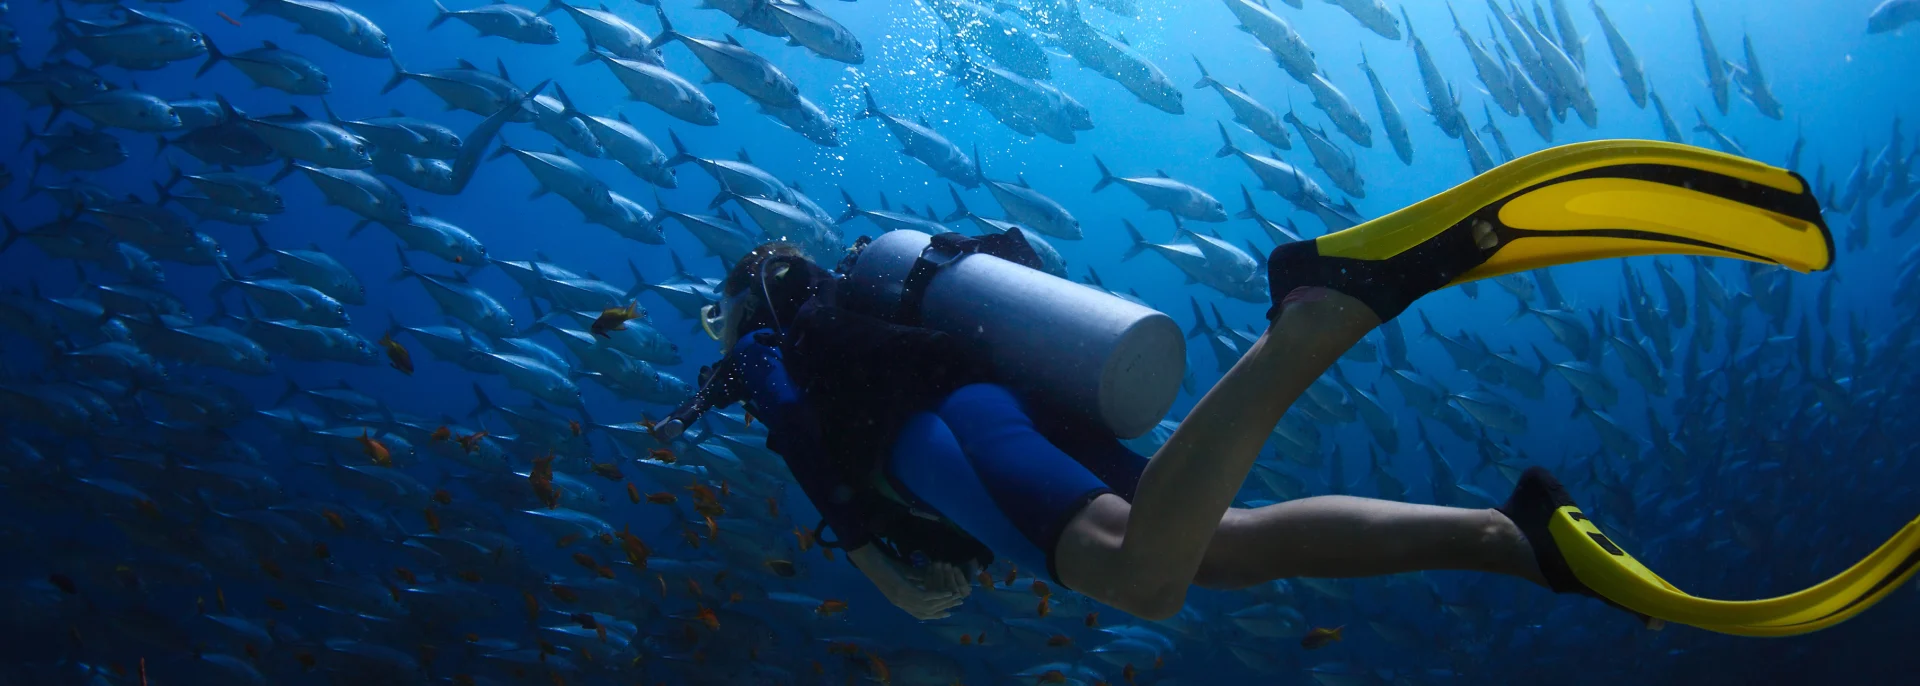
1536 497
1387 284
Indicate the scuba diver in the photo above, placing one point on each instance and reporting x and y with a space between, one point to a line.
941 402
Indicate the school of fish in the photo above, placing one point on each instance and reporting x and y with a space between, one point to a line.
207 482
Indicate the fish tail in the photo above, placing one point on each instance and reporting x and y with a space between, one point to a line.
441 15
482 402
260 245
1226 143
680 154
164 196
1206 80
399 76
214 56
1251 212
960 210
406 268
666 30
1106 177
1139 242
1200 327
13 233
552 6
853 210
873 108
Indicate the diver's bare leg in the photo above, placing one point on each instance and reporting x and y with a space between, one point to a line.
1341 536
1146 565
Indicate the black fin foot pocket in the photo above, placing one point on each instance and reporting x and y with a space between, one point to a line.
1387 286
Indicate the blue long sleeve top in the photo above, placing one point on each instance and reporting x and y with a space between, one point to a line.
794 431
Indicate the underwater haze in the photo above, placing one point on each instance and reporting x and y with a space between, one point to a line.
317 368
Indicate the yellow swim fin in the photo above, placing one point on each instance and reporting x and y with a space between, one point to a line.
1609 571
1571 203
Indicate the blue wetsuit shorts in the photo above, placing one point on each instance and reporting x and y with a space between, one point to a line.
1010 477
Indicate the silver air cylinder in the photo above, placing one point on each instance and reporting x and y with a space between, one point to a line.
1066 345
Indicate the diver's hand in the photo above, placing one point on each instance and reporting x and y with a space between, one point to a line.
929 593
669 430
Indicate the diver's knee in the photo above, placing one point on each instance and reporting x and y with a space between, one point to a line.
977 393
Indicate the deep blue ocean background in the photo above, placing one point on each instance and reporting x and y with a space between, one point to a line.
1807 499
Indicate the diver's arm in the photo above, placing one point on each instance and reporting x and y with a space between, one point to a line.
794 432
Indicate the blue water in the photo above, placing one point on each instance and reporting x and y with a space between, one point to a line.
1770 501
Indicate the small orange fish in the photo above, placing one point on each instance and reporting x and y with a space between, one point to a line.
574 425
471 637
406 575
633 493
1059 641
375 449
1040 589
804 539
1052 676
773 507
782 568
1043 608
394 592
735 597
986 580
607 470
397 354
713 528
981 639
605 572
471 442
723 488
748 419
701 492
1159 662
707 617
468 576
443 497
662 455
877 668
143 671
306 661
1319 638
1093 620
1128 673
220 599
966 639
662 498
442 433
334 520
566 540
601 631
320 551
433 520
272 570
533 606
663 584
829 608
459 259
585 560
615 319
1011 571
693 588
826 553
566 595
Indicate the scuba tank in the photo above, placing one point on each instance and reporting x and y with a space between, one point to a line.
1056 342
